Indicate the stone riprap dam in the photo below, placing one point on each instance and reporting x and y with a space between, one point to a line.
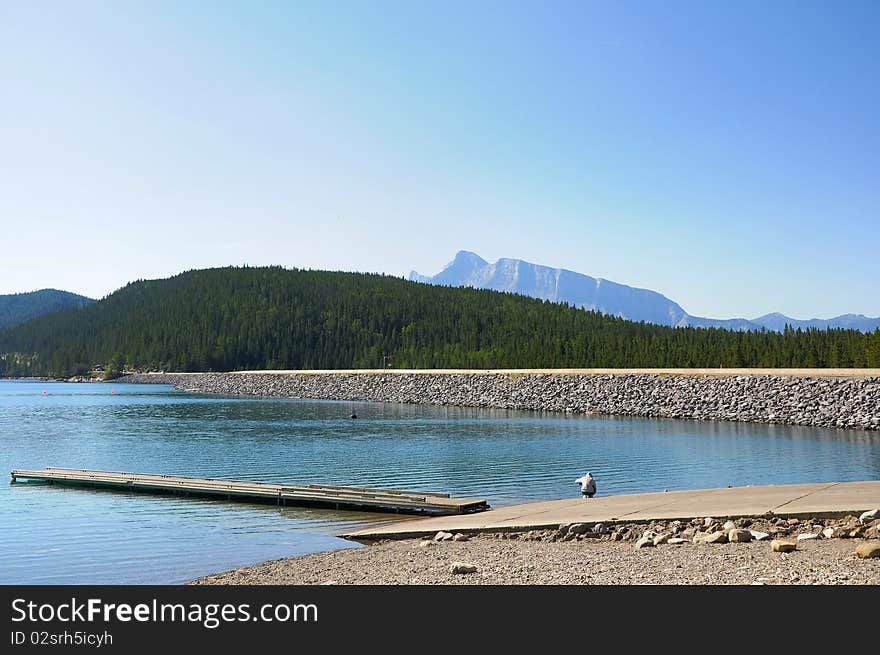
829 398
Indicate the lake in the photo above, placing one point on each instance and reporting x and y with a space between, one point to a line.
52 534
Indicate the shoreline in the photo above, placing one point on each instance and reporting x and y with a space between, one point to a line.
826 398
660 552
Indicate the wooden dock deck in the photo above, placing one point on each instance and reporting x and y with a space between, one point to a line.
317 495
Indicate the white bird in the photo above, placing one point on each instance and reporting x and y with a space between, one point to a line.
588 485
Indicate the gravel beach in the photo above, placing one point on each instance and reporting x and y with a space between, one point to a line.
501 562
607 555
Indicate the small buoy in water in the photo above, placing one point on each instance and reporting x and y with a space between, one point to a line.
112 392
45 393
353 415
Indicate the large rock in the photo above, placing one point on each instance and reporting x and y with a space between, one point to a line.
675 541
579 528
443 536
738 535
461 537
661 539
717 537
728 526
782 546
843 531
870 515
645 542
828 533
461 568
868 549
757 535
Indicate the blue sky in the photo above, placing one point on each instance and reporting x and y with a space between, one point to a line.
724 154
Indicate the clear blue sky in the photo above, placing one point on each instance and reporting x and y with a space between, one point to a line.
724 154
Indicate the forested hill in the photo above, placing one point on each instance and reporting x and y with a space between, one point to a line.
22 307
257 318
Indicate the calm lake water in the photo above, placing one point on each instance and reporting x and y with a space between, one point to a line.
50 534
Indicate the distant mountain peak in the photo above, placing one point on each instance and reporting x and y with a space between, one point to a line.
463 256
459 272
468 269
417 277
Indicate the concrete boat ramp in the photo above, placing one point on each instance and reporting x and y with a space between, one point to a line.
820 500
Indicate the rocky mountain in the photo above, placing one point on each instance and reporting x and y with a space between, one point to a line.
777 322
560 285
22 307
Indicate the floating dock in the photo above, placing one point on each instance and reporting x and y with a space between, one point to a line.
315 495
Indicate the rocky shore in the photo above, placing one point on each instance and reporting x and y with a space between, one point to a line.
701 551
818 401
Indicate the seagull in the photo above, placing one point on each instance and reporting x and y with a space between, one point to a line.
588 485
